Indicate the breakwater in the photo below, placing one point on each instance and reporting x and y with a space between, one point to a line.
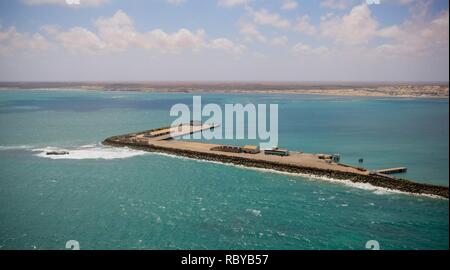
254 162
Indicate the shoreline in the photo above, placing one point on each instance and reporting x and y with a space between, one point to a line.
406 186
349 89
240 92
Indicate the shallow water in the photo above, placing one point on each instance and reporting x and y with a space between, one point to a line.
123 199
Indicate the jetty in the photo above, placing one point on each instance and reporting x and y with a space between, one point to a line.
169 140
393 170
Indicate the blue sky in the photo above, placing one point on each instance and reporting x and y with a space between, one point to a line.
280 40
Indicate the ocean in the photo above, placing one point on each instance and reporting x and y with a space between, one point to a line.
116 198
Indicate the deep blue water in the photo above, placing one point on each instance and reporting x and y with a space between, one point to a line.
118 199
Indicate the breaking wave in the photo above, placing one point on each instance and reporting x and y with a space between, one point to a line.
14 147
89 152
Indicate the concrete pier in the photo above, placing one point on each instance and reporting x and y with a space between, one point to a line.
393 170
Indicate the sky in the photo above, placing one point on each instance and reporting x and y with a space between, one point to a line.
224 40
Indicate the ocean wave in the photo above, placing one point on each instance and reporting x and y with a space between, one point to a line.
255 212
89 152
14 147
364 186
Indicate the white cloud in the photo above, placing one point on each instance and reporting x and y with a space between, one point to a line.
112 35
227 46
401 2
279 41
117 34
336 4
300 48
264 17
79 39
232 3
421 35
50 29
251 32
356 28
289 5
304 26
326 16
304 49
176 42
12 41
416 49
417 37
176 2
89 3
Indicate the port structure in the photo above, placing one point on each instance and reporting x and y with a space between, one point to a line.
170 140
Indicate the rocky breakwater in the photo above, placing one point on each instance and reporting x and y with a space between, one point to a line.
375 180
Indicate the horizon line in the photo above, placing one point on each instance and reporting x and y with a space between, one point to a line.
222 81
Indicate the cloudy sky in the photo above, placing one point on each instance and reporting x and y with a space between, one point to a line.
225 40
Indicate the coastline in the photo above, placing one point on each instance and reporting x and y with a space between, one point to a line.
244 92
380 90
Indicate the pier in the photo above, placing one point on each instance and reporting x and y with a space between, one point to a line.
393 170
169 133
164 140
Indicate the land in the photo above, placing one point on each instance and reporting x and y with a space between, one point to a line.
367 89
295 162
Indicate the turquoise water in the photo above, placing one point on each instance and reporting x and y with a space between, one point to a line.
120 199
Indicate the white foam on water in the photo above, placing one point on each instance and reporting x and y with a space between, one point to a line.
26 107
89 152
364 186
255 212
118 97
88 146
14 147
